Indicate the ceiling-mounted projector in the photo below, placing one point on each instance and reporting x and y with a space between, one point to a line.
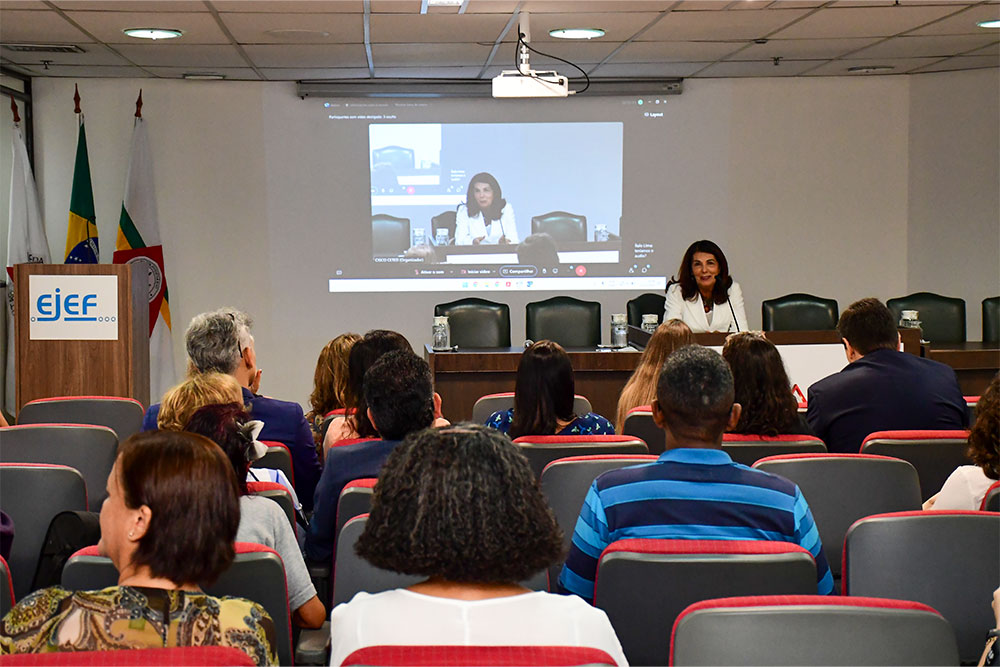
511 83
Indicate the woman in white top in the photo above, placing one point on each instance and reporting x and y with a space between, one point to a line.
461 506
966 487
704 296
485 217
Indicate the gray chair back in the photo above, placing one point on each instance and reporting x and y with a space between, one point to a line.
934 454
277 457
748 449
542 450
476 322
639 422
842 488
565 320
353 574
121 415
991 501
33 494
355 500
799 312
279 494
89 449
991 320
486 405
390 235
942 559
645 304
942 318
561 226
811 630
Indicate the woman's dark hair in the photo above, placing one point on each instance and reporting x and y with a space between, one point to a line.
364 353
761 384
984 437
689 288
188 484
460 503
495 209
224 424
543 391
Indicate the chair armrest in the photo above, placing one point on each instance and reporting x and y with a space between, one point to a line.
319 573
313 647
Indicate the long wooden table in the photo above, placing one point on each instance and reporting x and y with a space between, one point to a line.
462 376
975 363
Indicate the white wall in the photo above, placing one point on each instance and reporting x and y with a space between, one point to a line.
806 183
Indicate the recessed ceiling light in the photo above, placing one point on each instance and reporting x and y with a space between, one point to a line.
576 33
869 69
152 33
203 76
992 23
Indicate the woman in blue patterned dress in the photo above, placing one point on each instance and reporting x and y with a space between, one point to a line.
543 398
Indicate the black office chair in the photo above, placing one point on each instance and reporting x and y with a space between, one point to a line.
942 318
399 157
445 221
390 235
645 304
799 312
561 226
565 320
991 320
477 322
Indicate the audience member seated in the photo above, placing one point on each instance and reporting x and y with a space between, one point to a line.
220 341
399 398
641 387
331 386
168 526
762 387
991 652
881 389
261 519
182 401
538 250
965 488
363 354
461 507
544 390
694 490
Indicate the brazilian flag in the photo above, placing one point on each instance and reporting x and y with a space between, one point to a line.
81 235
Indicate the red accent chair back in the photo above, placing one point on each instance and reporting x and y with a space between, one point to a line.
355 500
121 415
492 656
279 494
644 584
944 559
639 422
991 501
542 450
279 457
842 488
180 656
747 449
33 494
935 454
352 573
490 403
811 630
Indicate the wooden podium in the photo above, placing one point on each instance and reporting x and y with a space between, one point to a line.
84 367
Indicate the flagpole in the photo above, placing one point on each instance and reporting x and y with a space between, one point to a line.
77 110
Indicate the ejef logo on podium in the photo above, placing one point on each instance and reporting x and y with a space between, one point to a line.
73 307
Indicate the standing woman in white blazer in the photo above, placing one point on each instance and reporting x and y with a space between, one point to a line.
485 217
704 296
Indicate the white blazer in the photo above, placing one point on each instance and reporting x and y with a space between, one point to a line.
693 314
467 228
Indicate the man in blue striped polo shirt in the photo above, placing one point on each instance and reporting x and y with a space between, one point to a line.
694 490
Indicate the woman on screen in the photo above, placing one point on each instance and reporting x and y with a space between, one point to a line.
485 217
705 296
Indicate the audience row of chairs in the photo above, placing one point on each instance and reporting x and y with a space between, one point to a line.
571 322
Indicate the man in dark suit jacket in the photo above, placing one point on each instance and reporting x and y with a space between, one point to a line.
881 389
220 341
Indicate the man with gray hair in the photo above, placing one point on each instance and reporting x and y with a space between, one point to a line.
220 342
694 491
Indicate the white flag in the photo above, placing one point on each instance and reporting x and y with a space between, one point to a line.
139 241
26 243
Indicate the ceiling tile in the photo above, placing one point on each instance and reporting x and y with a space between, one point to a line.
962 23
94 54
594 6
231 73
728 25
651 52
306 55
701 5
796 4
118 5
313 73
899 66
955 4
960 63
430 55
401 7
803 49
989 50
648 70
578 52
755 68
90 72
24 4
38 27
108 26
427 72
862 22
198 56
922 47
290 6
431 28
617 27
251 28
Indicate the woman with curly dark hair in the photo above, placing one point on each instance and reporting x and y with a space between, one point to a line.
762 387
966 486
461 506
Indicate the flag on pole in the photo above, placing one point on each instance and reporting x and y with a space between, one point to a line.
138 241
26 242
81 234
